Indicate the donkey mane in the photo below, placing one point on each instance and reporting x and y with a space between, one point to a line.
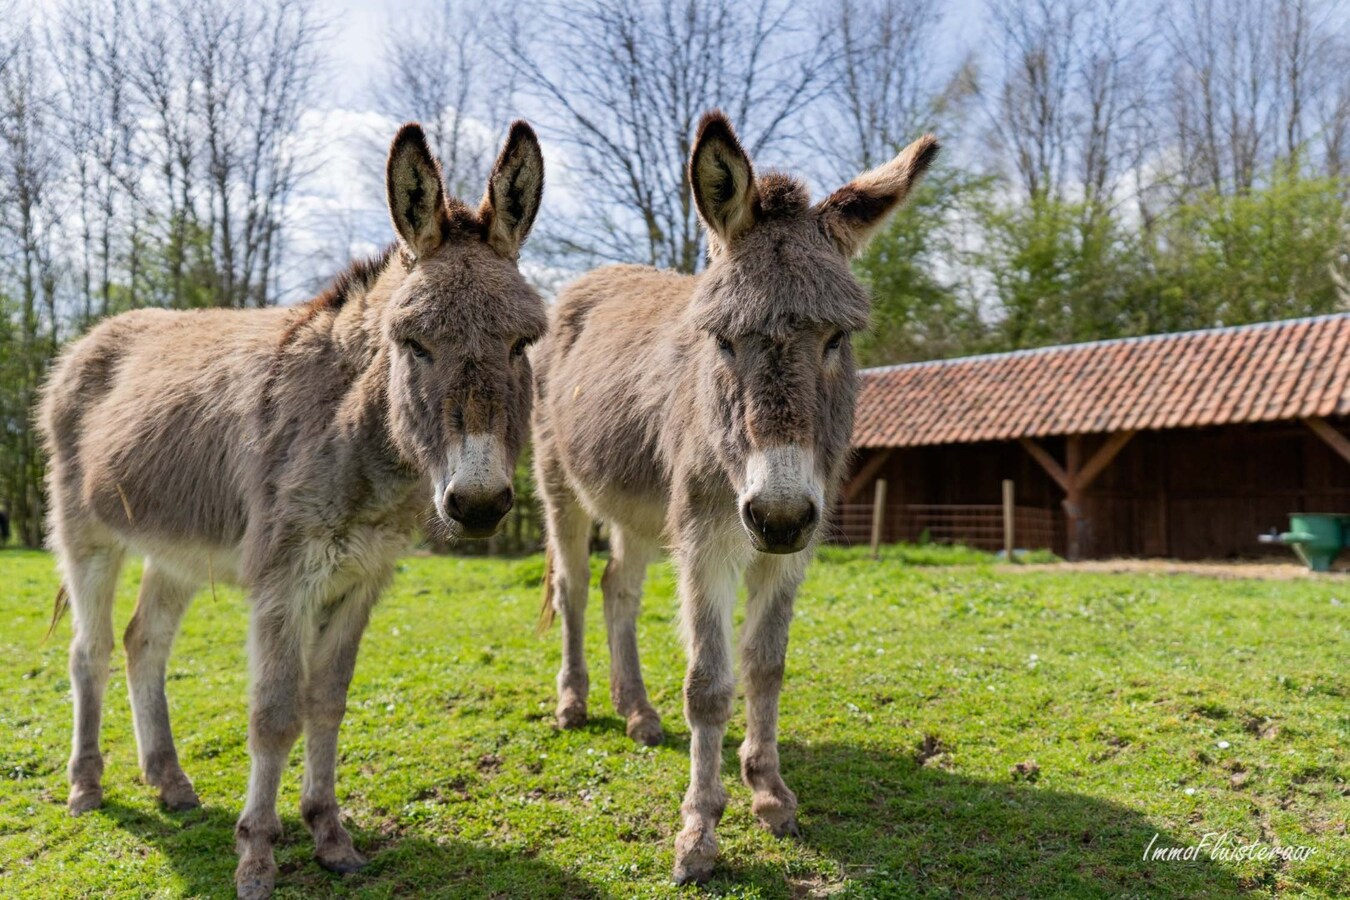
359 277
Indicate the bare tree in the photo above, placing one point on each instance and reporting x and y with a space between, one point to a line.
620 86
882 82
1073 85
1252 80
29 225
444 76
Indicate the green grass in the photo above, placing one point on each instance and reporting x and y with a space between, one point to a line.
913 691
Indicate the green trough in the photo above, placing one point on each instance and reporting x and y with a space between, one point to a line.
1317 538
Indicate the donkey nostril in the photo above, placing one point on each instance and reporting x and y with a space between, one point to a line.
753 515
504 500
452 506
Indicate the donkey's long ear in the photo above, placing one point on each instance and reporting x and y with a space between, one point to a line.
513 193
722 178
852 214
416 191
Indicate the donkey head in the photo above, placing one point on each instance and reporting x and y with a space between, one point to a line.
457 327
772 317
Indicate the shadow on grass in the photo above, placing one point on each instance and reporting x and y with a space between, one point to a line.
898 828
199 845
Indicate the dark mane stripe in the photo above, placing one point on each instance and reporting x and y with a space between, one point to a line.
358 277
361 275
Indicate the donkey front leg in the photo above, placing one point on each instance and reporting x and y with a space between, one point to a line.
772 582
707 595
330 661
274 724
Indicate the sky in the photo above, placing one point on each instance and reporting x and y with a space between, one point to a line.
339 213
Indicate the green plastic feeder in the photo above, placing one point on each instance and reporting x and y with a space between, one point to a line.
1317 538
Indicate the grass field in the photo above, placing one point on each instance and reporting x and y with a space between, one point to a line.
1137 706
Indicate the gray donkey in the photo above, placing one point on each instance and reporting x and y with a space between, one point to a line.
710 413
290 450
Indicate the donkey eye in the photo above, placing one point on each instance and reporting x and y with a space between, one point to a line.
835 342
518 350
725 346
417 349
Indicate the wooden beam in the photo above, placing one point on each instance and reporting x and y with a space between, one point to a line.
870 468
1048 463
1102 458
1337 441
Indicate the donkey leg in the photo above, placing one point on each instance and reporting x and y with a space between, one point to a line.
772 583
148 640
274 724
91 579
622 587
707 595
331 659
569 530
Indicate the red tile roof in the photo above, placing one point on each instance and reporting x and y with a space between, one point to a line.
1248 373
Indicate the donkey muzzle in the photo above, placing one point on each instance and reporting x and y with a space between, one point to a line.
478 511
780 506
780 525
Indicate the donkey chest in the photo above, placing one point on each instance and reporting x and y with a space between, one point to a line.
333 562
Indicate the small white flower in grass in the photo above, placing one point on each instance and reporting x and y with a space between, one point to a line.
394 631
1224 745
1033 658
1190 792
389 707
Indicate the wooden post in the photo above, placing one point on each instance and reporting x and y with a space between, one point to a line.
1009 520
878 516
1073 500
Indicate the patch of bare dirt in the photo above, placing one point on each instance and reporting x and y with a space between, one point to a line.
1265 570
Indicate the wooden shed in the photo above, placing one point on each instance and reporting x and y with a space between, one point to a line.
1180 445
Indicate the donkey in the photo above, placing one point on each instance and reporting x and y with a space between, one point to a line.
288 450
711 413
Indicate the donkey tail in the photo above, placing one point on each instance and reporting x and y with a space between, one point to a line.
546 610
58 610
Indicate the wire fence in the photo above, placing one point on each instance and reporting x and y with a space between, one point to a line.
978 525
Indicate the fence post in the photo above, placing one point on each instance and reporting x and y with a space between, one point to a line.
878 516
1009 519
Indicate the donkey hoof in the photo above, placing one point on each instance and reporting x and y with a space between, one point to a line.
255 879
342 860
777 813
692 874
646 730
84 798
179 796
695 853
572 716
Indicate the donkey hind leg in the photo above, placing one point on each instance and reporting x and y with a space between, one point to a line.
330 658
772 582
569 535
91 579
148 640
622 587
274 724
707 595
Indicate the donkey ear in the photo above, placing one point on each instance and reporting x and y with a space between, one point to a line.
513 193
722 178
416 191
852 214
